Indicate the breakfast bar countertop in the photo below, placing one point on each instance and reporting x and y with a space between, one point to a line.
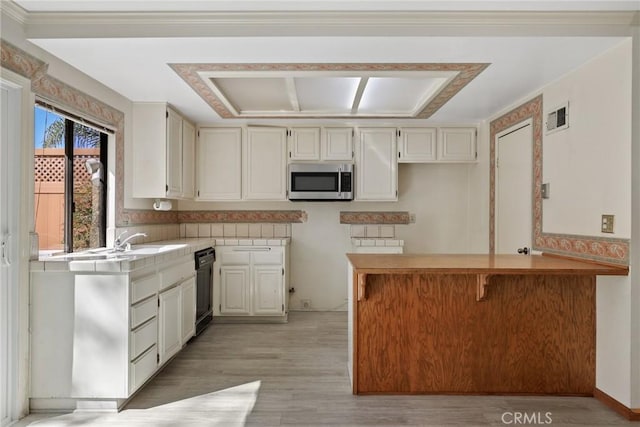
478 264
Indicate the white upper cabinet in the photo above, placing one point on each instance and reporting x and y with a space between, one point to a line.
158 157
219 164
188 159
174 154
457 144
337 143
376 166
304 143
264 164
417 145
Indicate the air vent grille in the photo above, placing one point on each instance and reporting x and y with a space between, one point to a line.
558 119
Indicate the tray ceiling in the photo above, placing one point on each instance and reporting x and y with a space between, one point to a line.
327 90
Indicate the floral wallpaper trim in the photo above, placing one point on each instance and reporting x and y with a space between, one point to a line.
374 217
190 73
253 216
15 59
60 93
611 250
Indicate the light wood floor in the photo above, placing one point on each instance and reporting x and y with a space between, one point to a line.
295 374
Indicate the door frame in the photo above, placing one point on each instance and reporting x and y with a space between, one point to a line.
20 174
521 124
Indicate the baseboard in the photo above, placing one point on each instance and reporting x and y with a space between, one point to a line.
628 413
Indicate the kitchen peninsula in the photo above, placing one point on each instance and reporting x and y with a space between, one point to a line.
473 324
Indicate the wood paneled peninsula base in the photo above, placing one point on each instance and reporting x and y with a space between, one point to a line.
472 324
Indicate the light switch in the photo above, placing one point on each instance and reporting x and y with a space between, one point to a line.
607 223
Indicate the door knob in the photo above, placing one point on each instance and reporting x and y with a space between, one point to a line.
524 250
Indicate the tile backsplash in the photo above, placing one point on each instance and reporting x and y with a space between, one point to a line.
373 231
240 230
154 232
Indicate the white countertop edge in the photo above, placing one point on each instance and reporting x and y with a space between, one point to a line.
135 262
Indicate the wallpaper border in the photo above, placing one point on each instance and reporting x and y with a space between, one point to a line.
596 248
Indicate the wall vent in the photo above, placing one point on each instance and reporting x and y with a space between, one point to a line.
558 118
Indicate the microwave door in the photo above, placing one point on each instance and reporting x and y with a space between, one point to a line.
314 185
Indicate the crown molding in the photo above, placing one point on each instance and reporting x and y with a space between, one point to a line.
219 24
13 11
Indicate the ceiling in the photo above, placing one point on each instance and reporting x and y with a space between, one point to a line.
249 60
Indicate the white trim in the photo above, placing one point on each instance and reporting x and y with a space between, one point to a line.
496 220
319 23
25 225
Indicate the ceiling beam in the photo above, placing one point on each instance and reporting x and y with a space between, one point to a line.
281 24
358 96
293 93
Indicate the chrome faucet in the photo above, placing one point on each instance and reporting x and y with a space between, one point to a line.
124 245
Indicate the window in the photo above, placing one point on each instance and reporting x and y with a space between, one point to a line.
70 191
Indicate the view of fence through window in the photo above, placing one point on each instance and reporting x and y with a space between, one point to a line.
69 204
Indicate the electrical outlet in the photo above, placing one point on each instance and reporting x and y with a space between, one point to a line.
305 304
412 218
607 223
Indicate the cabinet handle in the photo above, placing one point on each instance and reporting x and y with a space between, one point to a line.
251 249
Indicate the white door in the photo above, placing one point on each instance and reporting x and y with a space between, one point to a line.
337 144
417 145
10 108
188 159
304 144
267 296
219 164
264 169
377 166
170 323
234 290
188 289
174 154
514 189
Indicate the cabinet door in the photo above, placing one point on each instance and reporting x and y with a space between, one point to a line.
188 289
304 144
377 167
268 290
337 144
265 166
169 323
417 145
234 290
174 154
219 164
457 144
188 159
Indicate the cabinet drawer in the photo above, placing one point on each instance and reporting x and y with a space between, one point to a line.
143 311
241 257
142 338
271 257
142 368
176 273
143 288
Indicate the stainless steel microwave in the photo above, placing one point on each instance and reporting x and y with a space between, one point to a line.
320 181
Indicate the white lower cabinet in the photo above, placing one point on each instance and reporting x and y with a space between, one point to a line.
268 295
188 291
234 290
251 282
98 337
170 323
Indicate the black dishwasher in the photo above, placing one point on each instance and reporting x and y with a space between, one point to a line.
204 283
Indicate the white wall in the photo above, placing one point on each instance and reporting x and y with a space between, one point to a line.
589 168
439 196
589 165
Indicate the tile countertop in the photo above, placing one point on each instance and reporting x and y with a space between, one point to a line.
144 255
